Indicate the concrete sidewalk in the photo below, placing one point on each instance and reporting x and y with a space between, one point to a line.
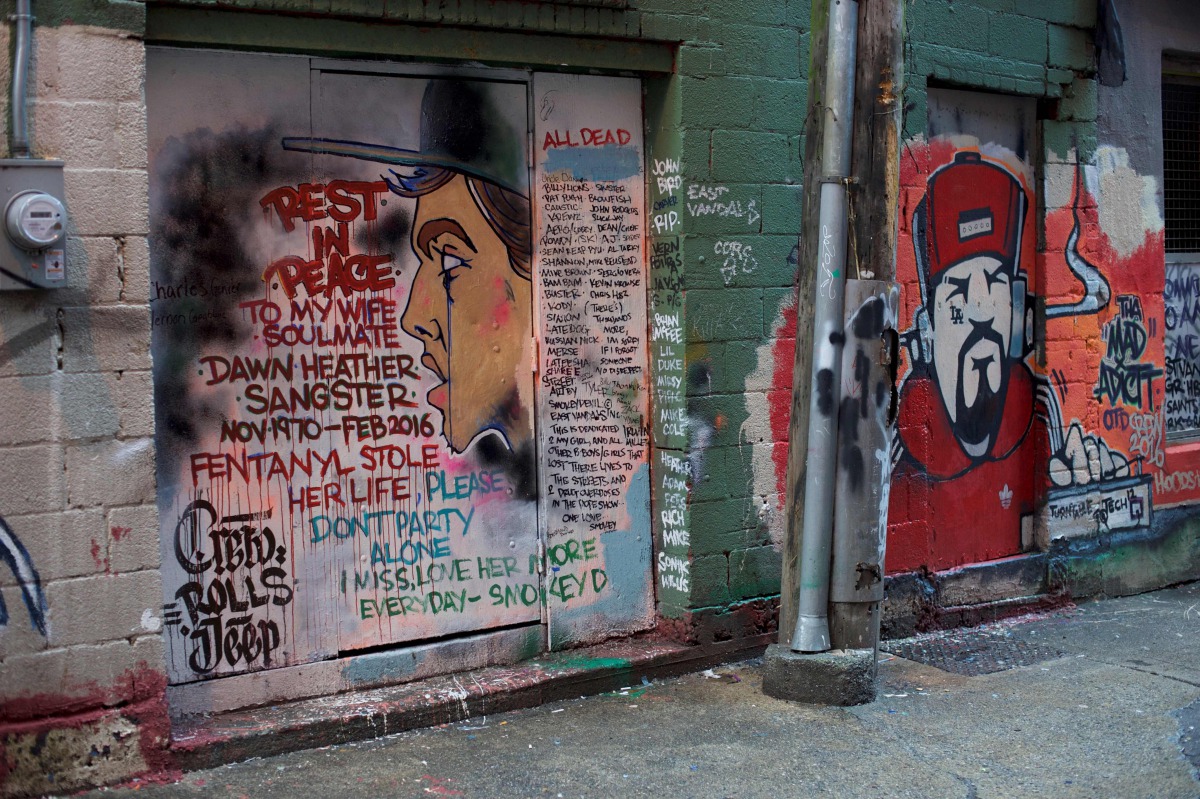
1107 705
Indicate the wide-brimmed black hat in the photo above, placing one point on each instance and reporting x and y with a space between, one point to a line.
463 128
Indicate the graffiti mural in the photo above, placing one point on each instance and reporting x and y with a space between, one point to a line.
1181 297
345 336
16 557
984 431
967 401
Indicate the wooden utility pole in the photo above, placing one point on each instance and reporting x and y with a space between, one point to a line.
874 201
878 113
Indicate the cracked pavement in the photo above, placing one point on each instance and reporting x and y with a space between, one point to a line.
1116 716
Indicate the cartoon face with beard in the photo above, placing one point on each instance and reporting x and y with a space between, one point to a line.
971 315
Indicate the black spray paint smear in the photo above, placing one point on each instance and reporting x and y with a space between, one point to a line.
204 200
518 465
389 235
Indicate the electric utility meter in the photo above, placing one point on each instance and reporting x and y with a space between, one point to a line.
35 220
33 249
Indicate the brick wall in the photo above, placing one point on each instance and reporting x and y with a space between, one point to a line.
76 442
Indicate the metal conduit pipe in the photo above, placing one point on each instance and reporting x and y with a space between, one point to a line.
20 122
812 621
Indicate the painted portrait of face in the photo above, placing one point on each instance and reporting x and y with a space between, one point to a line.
469 302
967 238
971 315
470 305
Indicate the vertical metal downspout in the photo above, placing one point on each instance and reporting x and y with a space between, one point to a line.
20 81
812 621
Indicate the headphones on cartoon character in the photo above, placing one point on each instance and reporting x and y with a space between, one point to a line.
919 339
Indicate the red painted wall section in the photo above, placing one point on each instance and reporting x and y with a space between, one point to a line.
1094 457
957 459
1094 445
98 734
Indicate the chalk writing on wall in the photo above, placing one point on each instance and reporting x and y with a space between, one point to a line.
667 185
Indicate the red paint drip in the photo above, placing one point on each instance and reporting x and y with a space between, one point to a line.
779 399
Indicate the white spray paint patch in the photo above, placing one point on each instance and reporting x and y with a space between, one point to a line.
150 622
764 482
1128 202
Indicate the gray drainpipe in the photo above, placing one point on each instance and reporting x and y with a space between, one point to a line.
812 621
20 124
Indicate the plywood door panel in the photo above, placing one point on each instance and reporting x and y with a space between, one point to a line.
589 190
345 423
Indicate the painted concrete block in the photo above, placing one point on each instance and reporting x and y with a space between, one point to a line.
88 409
106 338
1017 38
750 157
111 473
60 545
710 575
701 60
717 102
32 480
959 25
133 538
83 63
105 607
133 257
1080 13
20 636
754 572
762 51
1067 142
1070 47
29 409
131 135
1080 101
133 396
755 427
93 273
28 335
780 105
107 202
82 132
782 206
26 673
740 368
